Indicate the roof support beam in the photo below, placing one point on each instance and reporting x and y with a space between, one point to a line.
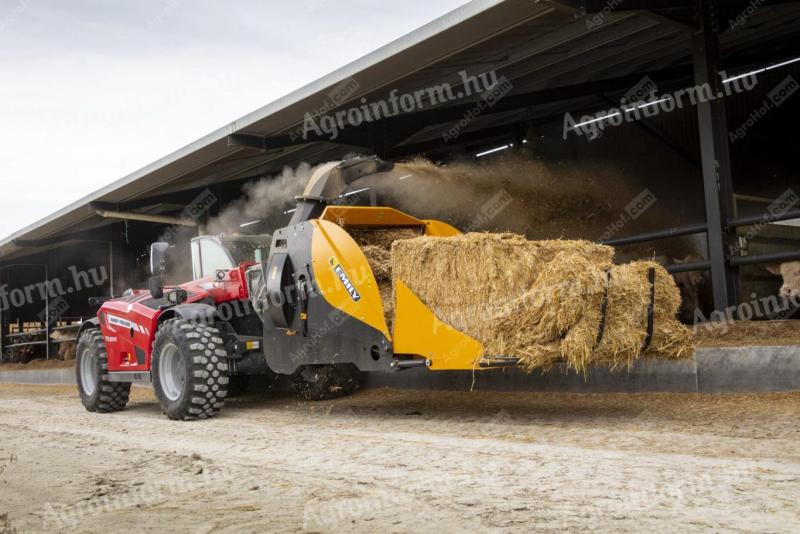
258 142
262 143
681 14
598 6
516 130
90 235
181 197
651 128
159 219
401 127
684 23
407 124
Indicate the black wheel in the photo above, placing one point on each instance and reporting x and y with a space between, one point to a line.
189 369
323 382
98 393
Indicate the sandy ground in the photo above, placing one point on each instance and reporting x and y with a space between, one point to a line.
403 461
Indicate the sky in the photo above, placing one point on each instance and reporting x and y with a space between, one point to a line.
92 90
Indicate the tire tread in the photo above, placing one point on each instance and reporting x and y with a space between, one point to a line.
113 396
196 339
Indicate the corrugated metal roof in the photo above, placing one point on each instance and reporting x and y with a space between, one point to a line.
397 58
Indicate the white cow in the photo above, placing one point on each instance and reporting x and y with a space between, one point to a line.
790 272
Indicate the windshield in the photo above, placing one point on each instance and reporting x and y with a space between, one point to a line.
247 248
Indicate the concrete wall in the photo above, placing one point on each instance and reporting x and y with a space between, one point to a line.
718 370
39 376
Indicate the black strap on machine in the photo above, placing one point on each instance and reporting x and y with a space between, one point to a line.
651 277
302 290
603 309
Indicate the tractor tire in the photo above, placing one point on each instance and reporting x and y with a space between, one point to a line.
189 369
98 393
325 382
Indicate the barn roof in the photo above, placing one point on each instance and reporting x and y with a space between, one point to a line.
555 56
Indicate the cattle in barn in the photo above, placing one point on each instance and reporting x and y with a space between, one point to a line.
695 288
790 271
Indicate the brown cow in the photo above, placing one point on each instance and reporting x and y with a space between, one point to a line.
790 272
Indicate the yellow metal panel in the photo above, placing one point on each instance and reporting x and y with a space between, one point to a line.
368 216
418 331
440 229
340 268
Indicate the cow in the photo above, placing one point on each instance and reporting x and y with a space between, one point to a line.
790 272
695 288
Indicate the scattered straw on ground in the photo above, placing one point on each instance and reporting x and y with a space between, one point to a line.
542 301
748 334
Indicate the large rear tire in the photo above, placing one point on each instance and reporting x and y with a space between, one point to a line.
98 393
189 369
325 382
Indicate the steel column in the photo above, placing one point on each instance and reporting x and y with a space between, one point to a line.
715 156
47 308
2 324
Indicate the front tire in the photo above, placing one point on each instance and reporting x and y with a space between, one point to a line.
190 370
98 393
325 382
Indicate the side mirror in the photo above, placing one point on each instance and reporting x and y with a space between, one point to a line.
177 296
156 287
158 257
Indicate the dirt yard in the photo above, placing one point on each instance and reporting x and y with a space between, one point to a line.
403 461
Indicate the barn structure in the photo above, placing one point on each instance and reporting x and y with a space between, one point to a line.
694 98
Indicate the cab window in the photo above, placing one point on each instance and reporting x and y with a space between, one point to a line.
208 257
196 266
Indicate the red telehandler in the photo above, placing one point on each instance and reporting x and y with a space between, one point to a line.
302 302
